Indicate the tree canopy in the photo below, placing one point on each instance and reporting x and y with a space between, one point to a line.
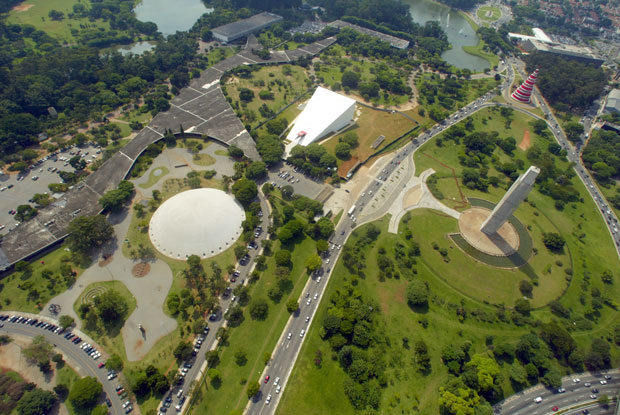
111 306
85 392
36 402
88 233
245 191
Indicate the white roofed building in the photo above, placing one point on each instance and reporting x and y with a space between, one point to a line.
325 113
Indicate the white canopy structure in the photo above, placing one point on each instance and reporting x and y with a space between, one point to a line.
203 222
325 113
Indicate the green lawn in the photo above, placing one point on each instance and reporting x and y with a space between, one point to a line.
489 13
22 292
284 88
154 176
37 15
461 283
125 129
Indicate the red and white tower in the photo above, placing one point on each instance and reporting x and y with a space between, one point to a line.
524 92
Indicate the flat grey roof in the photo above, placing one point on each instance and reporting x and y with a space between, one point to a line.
242 26
392 40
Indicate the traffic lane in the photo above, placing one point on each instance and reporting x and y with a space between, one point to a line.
280 365
74 352
211 337
524 401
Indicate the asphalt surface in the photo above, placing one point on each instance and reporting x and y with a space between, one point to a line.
287 350
199 368
73 352
576 395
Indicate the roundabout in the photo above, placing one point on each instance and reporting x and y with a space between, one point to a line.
203 222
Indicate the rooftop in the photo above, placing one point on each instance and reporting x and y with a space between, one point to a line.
392 40
243 25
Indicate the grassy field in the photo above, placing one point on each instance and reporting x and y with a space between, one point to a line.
478 50
369 125
318 390
154 176
37 11
15 288
334 63
493 12
284 88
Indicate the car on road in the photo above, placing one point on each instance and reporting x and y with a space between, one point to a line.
587 384
561 390
275 382
555 409
268 400
603 382
592 396
307 319
266 378
303 331
278 389
289 336
576 380
537 399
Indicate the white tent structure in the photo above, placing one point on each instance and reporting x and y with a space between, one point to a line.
325 113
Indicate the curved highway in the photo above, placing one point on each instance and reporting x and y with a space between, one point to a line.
70 350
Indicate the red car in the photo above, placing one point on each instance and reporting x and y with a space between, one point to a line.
266 378
555 408
101 364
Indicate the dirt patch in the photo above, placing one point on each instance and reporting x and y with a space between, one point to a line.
400 294
141 270
138 345
23 7
105 260
413 196
525 142
346 166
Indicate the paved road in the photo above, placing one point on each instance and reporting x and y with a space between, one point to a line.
287 349
576 394
71 351
199 364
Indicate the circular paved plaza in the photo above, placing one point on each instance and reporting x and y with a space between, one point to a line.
203 222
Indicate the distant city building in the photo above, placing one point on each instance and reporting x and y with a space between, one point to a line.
539 34
524 92
327 112
613 101
578 53
392 40
240 28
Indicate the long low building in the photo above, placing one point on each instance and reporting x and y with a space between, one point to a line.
578 53
235 30
392 40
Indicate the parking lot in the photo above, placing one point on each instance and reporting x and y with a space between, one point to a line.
17 188
302 184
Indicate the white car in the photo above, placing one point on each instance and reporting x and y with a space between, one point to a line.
278 388
307 319
538 399
289 336
303 331
275 382
309 301
268 400
603 382
316 296
576 380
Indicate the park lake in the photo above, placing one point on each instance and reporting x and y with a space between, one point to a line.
459 31
171 16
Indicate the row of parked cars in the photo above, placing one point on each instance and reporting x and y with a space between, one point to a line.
77 340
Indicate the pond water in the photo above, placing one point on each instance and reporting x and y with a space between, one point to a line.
171 16
459 31
137 48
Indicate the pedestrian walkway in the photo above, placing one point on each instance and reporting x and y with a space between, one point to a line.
149 291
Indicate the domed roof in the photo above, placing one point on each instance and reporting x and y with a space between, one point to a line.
203 222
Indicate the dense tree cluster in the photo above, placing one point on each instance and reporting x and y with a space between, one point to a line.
115 200
566 83
150 380
85 392
111 306
350 329
602 156
88 233
313 159
78 81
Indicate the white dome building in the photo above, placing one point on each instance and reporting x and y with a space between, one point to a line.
203 222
